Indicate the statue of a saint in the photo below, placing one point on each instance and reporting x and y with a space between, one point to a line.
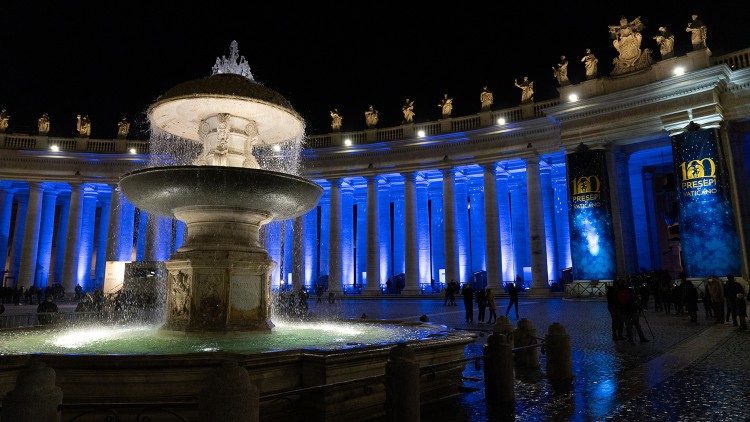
408 110
665 41
336 120
627 41
527 90
123 128
4 118
446 105
486 99
698 32
371 117
43 124
560 72
83 126
590 63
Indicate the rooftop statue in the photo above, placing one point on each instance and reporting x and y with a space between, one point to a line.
336 120
527 90
486 99
665 40
408 110
446 106
4 118
43 124
627 41
83 126
590 63
371 117
123 128
698 32
234 64
560 72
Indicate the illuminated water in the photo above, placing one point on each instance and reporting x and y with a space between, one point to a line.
149 340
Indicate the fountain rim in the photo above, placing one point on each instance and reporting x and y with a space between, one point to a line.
202 96
223 168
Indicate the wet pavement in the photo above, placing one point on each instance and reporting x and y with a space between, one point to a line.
686 372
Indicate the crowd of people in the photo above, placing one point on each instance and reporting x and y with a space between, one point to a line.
484 299
32 295
721 300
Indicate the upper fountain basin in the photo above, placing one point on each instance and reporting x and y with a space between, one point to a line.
181 110
162 190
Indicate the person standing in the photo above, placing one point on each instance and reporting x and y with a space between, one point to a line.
491 306
468 294
691 299
731 288
632 309
481 304
706 298
513 296
741 306
716 291
614 313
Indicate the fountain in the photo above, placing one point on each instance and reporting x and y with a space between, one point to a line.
219 280
218 293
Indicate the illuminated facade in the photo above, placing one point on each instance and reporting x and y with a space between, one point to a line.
609 184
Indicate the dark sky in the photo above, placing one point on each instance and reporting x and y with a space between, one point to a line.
114 59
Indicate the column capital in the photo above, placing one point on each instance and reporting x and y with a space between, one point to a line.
531 159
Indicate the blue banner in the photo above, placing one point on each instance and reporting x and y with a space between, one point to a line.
708 235
592 245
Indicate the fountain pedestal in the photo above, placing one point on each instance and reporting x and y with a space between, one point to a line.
219 280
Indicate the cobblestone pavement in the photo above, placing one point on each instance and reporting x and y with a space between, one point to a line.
613 380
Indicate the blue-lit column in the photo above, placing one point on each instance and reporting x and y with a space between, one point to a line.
423 230
27 270
62 237
70 265
179 235
127 230
158 237
449 226
437 232
298 253
334 243
463 252
373 238
550 230
507 264
140 234
398 258
272 236
537 237
360 196
477 245
6 208
384 221
86 242
491 226
347 234
114 229
46 231
102 232
18 231
622 212
310 237
561 220
519 212
410 234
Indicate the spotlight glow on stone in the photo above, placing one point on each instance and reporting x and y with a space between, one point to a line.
347 142
501 121
679 71
573 98
421 134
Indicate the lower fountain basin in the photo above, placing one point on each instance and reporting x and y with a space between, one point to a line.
162 190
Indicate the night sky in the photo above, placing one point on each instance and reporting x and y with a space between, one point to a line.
110 60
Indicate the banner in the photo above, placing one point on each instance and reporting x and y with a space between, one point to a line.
592 245
708 235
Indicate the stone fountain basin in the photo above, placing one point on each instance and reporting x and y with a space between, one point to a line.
161 190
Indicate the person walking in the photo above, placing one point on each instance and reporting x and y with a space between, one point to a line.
513 297
481 305
740 305
632 308
468 294
452 290
491 306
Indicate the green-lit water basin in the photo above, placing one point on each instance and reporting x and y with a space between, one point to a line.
150 340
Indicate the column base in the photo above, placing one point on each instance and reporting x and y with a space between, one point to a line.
371 293
411 292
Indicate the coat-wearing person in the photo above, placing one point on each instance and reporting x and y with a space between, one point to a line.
731 288
691 300
491 306
481 304
614 313
513 296
716 291
632 307
468 294
741 307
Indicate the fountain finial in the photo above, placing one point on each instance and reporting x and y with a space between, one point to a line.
235 64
